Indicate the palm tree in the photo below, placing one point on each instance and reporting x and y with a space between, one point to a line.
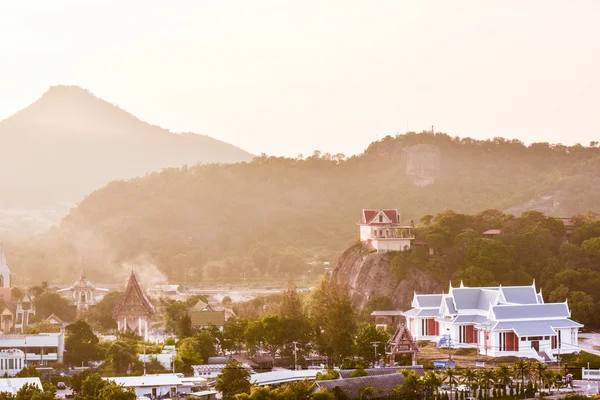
431 381
451 375
469 375
521 368
504 376
549 377
487 376
539 369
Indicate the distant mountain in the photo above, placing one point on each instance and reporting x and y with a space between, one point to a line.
69 143
261 217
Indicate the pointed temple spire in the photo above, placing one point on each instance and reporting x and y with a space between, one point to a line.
2 256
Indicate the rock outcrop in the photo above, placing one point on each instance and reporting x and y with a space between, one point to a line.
367 273
422 163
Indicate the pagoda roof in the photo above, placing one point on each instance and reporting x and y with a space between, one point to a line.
133 300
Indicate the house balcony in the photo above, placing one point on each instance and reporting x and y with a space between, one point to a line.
408 236
39 357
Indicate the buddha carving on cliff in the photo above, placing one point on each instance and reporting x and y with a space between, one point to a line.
422 164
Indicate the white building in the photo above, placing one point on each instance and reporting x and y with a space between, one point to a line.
498 321
155 385
381 230
12 385
11 361
84 294
40 349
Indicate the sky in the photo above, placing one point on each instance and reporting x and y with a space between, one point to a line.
290 77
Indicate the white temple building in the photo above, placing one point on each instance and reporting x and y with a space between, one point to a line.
498 321
83 293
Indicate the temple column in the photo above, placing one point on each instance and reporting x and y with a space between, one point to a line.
119 326
124 323
146 329
140 326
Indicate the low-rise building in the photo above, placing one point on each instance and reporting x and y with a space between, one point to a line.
498 321
386 318
155 385
11 361
12 385
40 349
204 316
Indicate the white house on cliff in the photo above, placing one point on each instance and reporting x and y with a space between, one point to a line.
381 230
498 321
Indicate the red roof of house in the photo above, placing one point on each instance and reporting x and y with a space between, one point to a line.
493 232
568 222
370 214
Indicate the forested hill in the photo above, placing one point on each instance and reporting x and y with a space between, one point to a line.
69 143
269 215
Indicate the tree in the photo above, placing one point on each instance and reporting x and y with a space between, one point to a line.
78 379
120 355
206 344
29 391
188 354
173 311
367 335
81 344
521 368
52 303
102 313
468 376
376 302
504 376
96 388
184 327
412 385
234 379
42 326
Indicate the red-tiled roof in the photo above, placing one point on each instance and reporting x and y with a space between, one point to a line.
370 214
568 222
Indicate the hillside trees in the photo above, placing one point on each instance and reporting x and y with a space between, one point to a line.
233 221
532 246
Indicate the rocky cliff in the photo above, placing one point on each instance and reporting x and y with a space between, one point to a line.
368 273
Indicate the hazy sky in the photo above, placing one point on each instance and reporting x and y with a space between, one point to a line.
290 77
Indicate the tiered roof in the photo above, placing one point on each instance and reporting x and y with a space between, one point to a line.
519 308
133 302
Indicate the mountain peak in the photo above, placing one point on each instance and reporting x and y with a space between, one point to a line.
73 107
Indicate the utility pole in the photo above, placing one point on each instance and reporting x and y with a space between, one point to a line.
375 346
295 356
144 360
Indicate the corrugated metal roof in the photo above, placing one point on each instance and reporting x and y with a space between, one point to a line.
391 313
282 376
487 297
477 319
466 298
520 295
411 313
536 328
345 373
383 384
450 305
531 311
146 380
429 300
428 313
